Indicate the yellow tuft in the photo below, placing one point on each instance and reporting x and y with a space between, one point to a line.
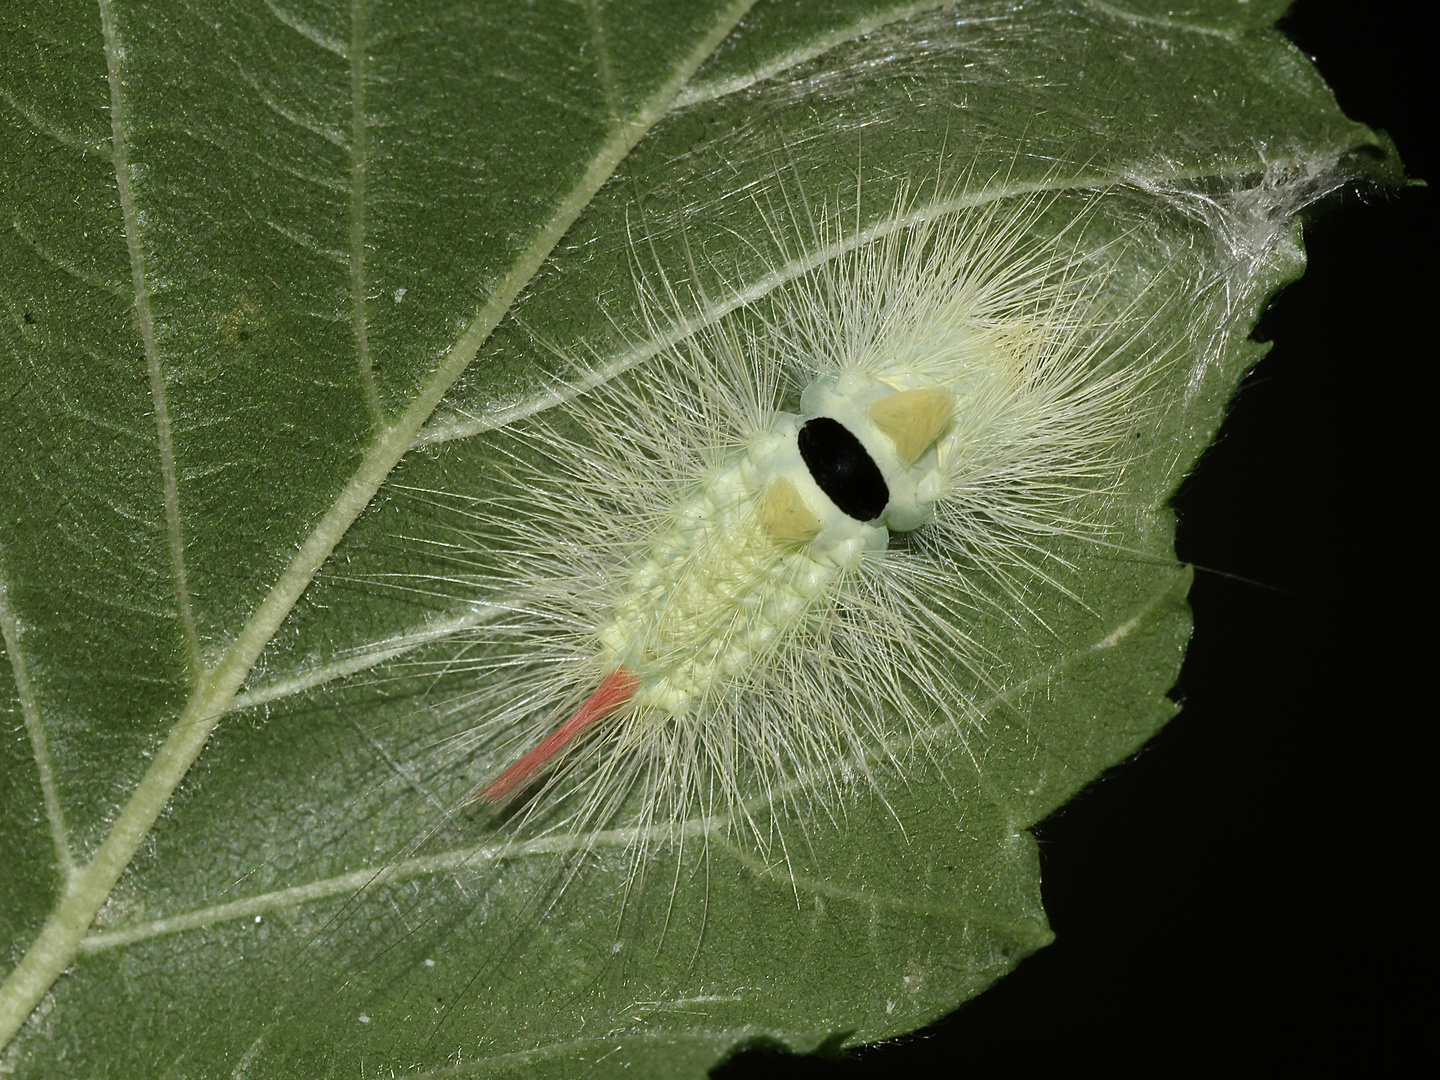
913 419
784 514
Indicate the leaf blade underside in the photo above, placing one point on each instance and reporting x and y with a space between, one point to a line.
298 245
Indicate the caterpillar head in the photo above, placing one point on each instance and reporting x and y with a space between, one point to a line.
860 461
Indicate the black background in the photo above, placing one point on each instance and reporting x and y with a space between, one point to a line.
1247 892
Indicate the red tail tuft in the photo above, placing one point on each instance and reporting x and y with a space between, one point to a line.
614 690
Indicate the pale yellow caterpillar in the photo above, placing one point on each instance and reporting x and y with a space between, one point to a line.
738 578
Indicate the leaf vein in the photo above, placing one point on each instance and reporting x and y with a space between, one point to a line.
145 322
48 127
602 61
305 30
1136 19
45 254
35 728
710 90
358 154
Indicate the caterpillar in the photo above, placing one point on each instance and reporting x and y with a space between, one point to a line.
739 577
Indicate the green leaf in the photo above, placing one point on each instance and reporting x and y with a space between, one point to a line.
255 248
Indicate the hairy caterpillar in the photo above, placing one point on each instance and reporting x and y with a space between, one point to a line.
741 575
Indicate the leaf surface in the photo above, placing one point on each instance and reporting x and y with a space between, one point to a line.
271 264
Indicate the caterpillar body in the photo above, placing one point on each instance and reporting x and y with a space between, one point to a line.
739 577
758 544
